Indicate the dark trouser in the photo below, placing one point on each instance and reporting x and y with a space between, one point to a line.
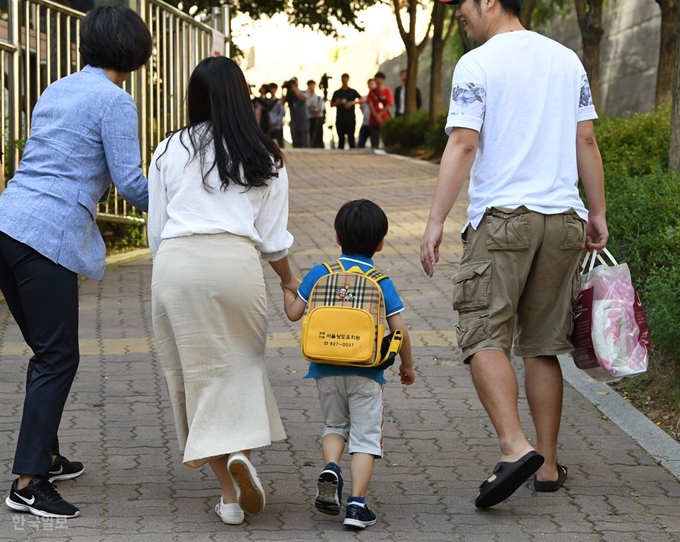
316 132
43 298
277 135
346 129
364 132
375 136
300 133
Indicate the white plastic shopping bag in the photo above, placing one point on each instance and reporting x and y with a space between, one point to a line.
611 336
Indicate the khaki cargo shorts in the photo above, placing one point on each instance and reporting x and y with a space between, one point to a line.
518 280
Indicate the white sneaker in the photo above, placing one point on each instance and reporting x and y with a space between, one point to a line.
249 491
231 513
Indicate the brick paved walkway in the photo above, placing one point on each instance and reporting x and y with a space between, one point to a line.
439 445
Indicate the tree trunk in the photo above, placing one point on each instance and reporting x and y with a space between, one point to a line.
440 36
413 50
674 151
411 61
589 15
438 18
667 52
526 12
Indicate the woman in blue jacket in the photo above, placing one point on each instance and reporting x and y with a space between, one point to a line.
84 135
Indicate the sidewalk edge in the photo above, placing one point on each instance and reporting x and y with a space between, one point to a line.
659 444
125 256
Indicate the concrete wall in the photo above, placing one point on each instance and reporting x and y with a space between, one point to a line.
630 52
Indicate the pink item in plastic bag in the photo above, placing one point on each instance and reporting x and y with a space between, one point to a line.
611 336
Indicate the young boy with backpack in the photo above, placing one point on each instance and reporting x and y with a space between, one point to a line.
351 394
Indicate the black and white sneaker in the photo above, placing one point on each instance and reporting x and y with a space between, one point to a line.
40 498
359 516
63 469
329 490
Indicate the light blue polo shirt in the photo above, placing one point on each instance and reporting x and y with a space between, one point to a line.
393 305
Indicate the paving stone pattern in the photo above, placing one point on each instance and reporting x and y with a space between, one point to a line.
438 441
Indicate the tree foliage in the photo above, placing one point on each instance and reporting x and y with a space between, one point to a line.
322 15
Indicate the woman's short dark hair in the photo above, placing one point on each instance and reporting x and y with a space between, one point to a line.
115 37
361 225
218 98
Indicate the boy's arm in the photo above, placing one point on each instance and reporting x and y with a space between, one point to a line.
406 372
293 305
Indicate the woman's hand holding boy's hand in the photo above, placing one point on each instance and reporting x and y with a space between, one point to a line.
292 285
407 374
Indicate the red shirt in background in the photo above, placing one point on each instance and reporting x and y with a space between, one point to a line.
381 100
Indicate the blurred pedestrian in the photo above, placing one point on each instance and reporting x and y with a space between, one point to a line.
380 100
276 114
345 100
316 111
299 118
400 96
365 130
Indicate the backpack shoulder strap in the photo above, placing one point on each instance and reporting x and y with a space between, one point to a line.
375 275
334 267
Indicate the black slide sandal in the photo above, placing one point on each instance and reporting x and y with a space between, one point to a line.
509 477
552 485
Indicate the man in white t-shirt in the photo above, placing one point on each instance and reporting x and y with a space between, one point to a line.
520 126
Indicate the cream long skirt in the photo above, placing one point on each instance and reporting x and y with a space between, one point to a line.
210 321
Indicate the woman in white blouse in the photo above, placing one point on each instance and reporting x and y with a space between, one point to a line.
218 200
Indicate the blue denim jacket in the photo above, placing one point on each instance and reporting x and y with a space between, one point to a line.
83 136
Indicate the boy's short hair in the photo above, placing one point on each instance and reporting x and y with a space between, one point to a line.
379 75
361 225
116 38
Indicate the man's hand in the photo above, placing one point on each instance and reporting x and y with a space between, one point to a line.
597 233
407 374
429 246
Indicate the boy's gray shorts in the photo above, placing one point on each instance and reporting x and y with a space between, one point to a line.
352 407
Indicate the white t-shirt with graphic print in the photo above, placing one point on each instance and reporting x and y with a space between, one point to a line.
524 93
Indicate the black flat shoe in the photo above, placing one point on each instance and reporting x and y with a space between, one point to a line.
554 485
509 477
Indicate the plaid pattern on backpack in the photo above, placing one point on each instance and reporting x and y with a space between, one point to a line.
344 323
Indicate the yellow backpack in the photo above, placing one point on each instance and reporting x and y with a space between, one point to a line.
344 322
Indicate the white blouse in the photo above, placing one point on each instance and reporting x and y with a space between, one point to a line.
180 205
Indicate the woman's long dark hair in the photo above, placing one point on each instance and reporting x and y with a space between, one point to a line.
219 96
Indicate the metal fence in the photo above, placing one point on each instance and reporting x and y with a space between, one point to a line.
39 44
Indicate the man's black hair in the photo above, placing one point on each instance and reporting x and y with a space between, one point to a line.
380 74
509 6
311 82
361 225
512 6
115 37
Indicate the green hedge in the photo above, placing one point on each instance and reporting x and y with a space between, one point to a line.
406 132
636 144
409 133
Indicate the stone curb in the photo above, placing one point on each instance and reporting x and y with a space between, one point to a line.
659 444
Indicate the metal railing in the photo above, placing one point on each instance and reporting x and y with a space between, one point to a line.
39 44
